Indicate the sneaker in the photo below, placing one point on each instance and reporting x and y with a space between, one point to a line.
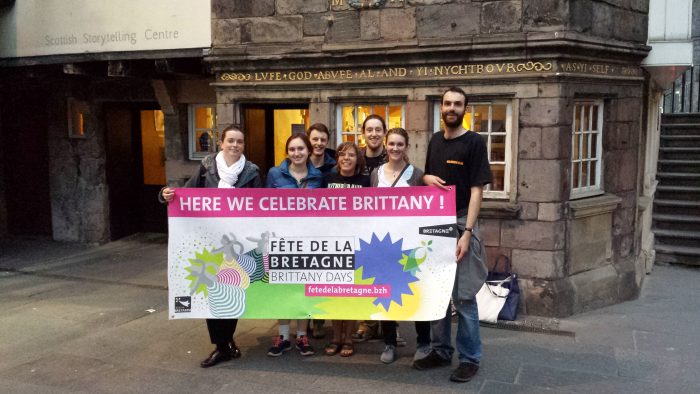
432 360
304 347
464 373
279 346
422 351
367 330
389 354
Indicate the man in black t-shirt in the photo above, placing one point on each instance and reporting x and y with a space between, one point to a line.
459 157
374 130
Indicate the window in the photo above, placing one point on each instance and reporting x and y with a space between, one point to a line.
493 120
202 130
349 119
586 149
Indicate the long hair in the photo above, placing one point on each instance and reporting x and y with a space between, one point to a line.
401 132
347 145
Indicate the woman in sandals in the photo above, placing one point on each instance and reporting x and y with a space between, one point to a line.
347 174
295 172
398 172
226 169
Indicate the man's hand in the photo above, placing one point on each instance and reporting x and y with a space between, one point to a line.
168 194
432 180
463 245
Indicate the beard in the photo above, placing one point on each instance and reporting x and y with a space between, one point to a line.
455 123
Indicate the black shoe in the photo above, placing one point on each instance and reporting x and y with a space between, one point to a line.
235 351
464 373
432 360
216 357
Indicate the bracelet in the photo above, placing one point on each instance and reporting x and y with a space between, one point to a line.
471 230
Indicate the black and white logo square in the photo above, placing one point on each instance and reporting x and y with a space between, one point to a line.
183 304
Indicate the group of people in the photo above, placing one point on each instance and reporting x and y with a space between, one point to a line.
455 156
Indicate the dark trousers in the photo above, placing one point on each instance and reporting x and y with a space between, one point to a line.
422 330
221 330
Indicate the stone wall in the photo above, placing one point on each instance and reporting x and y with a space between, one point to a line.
79 191
315 25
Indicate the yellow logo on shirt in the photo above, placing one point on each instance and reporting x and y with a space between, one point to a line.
455 162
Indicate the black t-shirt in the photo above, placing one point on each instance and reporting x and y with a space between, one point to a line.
462 161
337 181
373 162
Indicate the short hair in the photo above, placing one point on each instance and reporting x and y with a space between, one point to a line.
373 116
454 89
402 132
230 128
318 127
301 136
360 157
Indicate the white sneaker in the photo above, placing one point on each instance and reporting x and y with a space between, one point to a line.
422 351
389 354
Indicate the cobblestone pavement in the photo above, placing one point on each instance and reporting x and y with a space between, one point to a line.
81 318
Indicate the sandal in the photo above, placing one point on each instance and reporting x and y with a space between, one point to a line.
347 350
332 349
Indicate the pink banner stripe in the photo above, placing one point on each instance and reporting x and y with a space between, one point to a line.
381 291
398 201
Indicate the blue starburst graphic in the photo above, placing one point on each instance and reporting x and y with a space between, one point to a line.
381 260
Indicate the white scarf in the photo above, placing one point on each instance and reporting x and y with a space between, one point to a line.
228 176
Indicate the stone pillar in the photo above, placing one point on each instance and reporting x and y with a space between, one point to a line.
79 192
419 130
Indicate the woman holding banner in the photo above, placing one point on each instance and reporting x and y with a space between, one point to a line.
226 169
398 172
348 174
295 172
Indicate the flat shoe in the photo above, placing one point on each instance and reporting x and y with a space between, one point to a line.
347 350
215 357
332 349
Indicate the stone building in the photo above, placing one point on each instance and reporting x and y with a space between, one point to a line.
556 88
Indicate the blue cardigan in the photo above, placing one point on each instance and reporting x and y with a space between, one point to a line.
279 177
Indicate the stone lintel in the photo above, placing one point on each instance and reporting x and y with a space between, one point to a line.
499 210
592 206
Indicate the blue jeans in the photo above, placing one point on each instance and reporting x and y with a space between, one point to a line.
468 337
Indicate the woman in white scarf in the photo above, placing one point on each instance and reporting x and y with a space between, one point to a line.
226 169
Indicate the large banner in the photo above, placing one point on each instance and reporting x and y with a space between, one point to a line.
372 253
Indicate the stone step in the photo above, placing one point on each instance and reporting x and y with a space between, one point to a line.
679 166
671 206
676 221
678 189
673 258
680 129
676 249
678 218
678 178
679 153
680 140
681 234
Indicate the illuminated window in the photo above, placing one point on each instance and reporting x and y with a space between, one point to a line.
350 117
494 122
587 149
202 131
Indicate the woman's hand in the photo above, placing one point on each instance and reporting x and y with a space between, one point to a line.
432 180
168 194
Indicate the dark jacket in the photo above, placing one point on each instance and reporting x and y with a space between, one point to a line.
328 162
279 177
208 176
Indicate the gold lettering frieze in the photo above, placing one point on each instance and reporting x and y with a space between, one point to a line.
431 72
